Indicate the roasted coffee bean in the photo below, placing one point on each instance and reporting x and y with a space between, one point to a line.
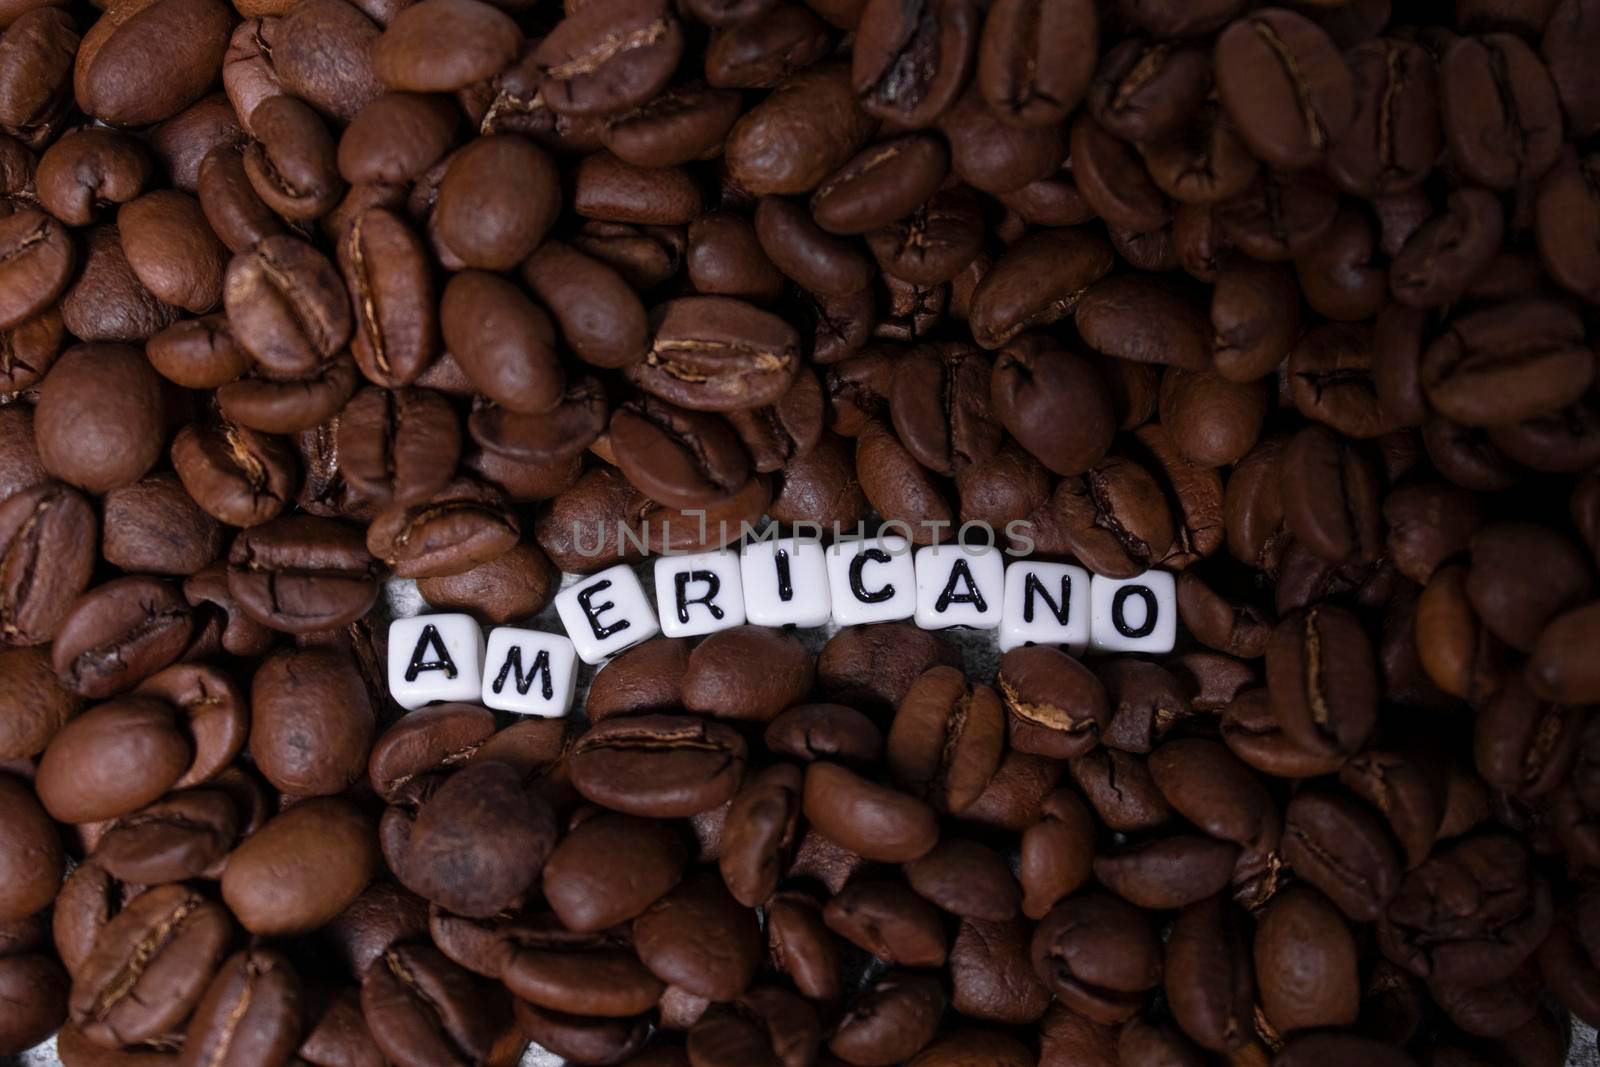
900 828
675 456
422 1008
610 869
300 574
909 66
946 739
891 1021
1209 977
31 852
1144 89
462 525
398 447
1322 676
1287 88
599 315
1499 71
120 633
302 868
149 967
997 156
184 835
714 353
661 766
1039 281
1098 955
252 1012
1341 847
311 723
1507 363
286 306
457 860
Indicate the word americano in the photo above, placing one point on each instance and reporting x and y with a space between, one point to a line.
788 581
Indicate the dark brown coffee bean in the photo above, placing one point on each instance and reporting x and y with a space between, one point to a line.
88 168
106 300
1055 706
611 190
1013 34
299 574
609 57
1448 253
966 879
1031 377
154 526
1507 363
1115 518
302 868
120 633
33 704
1498 891
933 243
599 315
1282 79
873 667
994 155
1306 963
1209 978
149 967
891 1021
884 182
660 766
467 864
1331 379
1056 854
717 354
398 447
150 64
675 456
1341 847
747 672
30 852
680 125
908 67
423 1009
1278 216
503 341
184 835
311 721
946 739
1039 281
212 712
1113 179
610 869
462 525
293 161
825 731
497 199
1098 955
287 306
1330 496
47 537
1499 71
1144 88
1321 674
1202 162
99 417
385 269
1144 319
237 475
251 1014
1255 313
899 828
815 115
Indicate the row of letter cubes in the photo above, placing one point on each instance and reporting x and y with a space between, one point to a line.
787 582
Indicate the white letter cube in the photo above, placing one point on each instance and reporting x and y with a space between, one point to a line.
959 586
606 612
790 589
1038 596
529 672
434 657
1133 614
872 579
699 594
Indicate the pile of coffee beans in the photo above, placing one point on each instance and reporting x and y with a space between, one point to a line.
1300 303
